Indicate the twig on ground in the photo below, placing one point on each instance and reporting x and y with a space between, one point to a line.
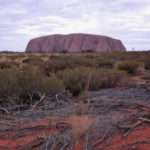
37 103
7 123
144 119
4 110
143 106
57 99
102 139
129 128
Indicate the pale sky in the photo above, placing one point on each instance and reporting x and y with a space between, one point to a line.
22 20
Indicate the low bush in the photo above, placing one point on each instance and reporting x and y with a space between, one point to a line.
59 63
5 65
73 81
33 60
105 78
147 64
9 88
105 63
54 65
33 82
8 64
130 67
26 86
80 79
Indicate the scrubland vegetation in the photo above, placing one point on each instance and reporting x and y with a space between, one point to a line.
24 78
82 101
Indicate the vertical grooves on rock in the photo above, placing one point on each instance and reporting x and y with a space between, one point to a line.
74 43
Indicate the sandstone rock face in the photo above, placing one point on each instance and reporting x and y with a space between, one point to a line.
74 43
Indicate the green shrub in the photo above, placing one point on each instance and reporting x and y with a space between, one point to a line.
26 86
32 82
130 67
54 65
80 79
7 64
105 63
33 60
59 63
147 64
9 88
83 61
105 78
73 81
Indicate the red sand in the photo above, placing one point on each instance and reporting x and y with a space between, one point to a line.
137 139
10 141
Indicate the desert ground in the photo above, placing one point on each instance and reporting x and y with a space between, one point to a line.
84 101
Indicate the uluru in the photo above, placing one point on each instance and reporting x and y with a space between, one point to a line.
74 43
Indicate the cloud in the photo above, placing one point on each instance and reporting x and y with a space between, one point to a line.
22 20
57 24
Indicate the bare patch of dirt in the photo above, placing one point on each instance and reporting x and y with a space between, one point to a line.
111 119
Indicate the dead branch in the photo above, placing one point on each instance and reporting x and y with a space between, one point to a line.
130 128
144 119
98 142
37 103
143 106
4 110
57 99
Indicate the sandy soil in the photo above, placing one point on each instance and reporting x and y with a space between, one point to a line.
111 119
